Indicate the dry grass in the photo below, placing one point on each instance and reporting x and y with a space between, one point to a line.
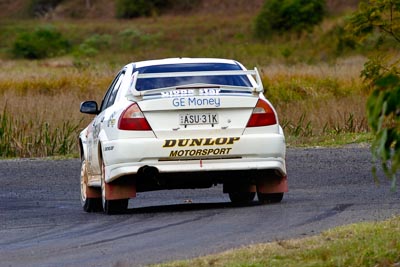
50 92
39 106
39 97
318 99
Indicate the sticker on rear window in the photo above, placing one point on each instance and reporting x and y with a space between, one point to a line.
187 92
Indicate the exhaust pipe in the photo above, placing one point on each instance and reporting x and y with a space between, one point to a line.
151 173
148 172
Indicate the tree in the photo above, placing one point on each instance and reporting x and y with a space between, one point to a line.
277 16
380 20
43 42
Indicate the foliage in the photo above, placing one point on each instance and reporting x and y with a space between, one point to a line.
43 42
343 41
381 18
383 108
277 16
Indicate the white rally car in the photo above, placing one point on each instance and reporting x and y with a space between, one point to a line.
182 123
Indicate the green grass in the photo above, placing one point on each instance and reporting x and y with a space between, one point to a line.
364 244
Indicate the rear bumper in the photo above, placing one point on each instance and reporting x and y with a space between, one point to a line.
199 166
249 152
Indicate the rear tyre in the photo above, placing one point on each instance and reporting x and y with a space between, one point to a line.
88 204
241 198
116 206
265 198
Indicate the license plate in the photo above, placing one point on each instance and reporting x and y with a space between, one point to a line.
198 118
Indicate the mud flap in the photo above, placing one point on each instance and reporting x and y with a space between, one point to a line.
120 191
93 192
272 185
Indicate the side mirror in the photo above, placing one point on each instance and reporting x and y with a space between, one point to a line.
89 107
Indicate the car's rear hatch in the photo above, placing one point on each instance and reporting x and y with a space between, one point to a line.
197 103
195 115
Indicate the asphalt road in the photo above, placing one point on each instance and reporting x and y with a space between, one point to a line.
42 223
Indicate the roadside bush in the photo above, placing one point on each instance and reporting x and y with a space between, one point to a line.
43 42
129 38
278 16
93 44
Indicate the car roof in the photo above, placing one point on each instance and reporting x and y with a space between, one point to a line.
166 61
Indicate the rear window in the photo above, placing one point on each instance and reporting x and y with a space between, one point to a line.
153 83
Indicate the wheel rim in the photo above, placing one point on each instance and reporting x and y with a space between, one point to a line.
84 182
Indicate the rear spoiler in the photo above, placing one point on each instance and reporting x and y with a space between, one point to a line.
254 73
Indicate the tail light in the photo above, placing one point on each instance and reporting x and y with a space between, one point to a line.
133 119
263 115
